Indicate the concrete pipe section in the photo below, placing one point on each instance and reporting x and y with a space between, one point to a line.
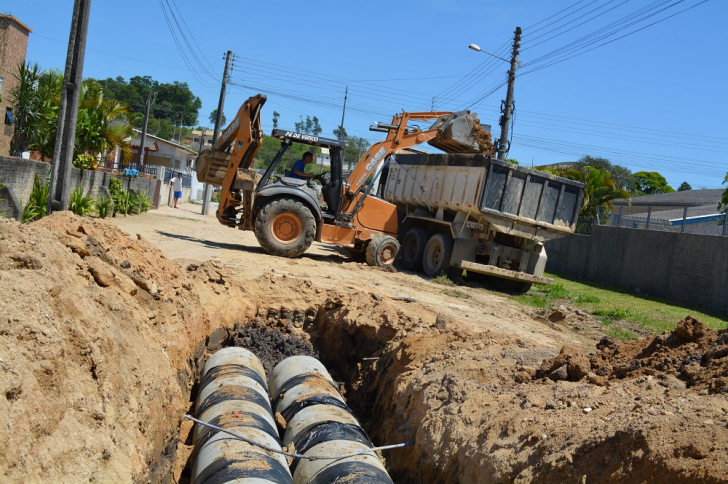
233 395
319 423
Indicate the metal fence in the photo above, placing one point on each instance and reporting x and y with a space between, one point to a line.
113 166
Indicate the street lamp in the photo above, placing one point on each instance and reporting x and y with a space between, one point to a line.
477 48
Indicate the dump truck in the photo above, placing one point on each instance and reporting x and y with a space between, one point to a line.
358 212
470 212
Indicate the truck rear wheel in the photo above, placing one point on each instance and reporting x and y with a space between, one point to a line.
382 251
437 255
285 227
413 248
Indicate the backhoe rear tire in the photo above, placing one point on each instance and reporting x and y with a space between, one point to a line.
382 251
437 256
413 247
285 227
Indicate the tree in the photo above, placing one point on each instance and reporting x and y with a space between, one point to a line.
276 115
213 118
340 133
512 160
684 186
174 101
651 183
723 205
309 126
355 149
35 102
623 178
599 191
103 124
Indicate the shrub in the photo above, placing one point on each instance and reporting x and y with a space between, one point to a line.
119 196
104 206
133 202
85 162
145 203
79 203
38 202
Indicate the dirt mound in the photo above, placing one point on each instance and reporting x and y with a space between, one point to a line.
95 326
693 354
271 344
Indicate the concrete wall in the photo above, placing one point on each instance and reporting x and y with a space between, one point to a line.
685 268
18 174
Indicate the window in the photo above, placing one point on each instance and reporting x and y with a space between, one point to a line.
9 118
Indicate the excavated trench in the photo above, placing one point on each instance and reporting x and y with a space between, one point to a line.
351 357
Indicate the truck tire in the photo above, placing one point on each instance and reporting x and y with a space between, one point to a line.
437 255
413 247
382 251
285 227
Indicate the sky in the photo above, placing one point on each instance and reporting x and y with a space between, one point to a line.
643 83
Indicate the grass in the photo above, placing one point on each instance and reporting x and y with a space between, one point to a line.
443 279
614 306
456 293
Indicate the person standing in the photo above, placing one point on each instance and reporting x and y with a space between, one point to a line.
176 183
299 167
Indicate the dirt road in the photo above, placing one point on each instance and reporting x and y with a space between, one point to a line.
187 236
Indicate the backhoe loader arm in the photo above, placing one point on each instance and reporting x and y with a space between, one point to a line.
245 131
398 137
236 148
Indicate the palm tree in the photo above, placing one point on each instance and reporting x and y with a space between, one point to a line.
103 125
599 191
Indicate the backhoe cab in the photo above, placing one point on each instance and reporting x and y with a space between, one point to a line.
286 213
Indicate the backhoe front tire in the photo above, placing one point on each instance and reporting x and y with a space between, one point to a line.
437 256
413 247
285 227
382 251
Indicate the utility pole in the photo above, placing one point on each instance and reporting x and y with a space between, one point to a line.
60 187
144 132
218 123
341 127
508 108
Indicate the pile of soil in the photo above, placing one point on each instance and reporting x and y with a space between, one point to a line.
100 339
272 343
693 354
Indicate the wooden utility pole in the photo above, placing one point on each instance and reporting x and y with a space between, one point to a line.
341 127
218 126
508 107
144 132
60 186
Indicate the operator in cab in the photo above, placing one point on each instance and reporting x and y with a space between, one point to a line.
299 167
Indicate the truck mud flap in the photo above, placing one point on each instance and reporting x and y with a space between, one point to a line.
504 273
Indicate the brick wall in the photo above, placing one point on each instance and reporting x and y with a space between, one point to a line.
13 47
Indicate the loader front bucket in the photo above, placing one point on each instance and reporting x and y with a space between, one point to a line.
211 167
461 132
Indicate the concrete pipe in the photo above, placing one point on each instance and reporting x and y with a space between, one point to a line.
319 423
233 395
301 381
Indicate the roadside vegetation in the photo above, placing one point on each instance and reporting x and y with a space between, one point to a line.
614 306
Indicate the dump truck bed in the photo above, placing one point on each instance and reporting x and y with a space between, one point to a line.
512 198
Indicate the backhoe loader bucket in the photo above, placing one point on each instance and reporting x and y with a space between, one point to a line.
211 167
461 132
